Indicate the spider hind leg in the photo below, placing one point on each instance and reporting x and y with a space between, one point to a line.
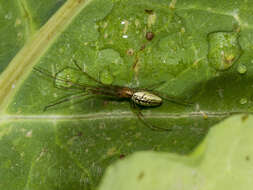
137 111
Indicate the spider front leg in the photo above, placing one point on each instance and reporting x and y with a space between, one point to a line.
137 111
154 86
67 98
86 74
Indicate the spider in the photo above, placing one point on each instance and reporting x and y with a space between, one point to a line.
137 97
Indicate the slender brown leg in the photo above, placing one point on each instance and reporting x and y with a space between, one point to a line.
65 99
86 74
154 86
176 101
45 72
136 110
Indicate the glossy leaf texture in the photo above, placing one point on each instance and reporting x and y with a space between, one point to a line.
198 51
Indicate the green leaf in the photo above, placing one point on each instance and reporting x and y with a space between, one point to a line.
19 21
217 163
198 51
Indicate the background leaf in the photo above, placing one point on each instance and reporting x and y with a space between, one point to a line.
19 21
217 163
201 49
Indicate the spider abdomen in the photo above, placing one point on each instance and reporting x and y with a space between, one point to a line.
145 98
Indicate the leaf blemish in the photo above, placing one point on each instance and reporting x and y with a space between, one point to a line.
151 20
29 133
141 175
126 23
224 49
130 52
149 36
149 11
244 117
79 134
122 156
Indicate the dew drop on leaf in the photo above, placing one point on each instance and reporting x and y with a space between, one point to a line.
224 49
242 69
66 78
243 101
106 77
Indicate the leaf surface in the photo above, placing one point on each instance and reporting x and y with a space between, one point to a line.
217 163
199 51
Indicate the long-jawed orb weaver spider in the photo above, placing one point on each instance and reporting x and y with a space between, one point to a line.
137 97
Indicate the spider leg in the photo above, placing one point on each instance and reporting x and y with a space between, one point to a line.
136 110
66 99
154 86
86 74
45 72
179 102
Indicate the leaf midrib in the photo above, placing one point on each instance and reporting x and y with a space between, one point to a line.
121 115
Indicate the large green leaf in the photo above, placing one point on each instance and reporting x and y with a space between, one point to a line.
200 49
19 20
218 163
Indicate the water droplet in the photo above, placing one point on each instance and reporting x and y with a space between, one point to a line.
29 133
8 16
106 77
182 30
105 35
18 22
224 49
67 78
61 50
243 101
242 69
137 23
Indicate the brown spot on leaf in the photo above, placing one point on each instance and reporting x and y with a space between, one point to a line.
244 117
135 62
149 36
149 11
122 156
79 134
130 52
143 47
141 175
